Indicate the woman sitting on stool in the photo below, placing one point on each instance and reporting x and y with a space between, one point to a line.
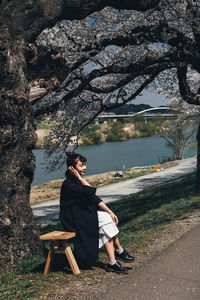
84 213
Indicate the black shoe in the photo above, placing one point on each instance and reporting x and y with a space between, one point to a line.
116 268
124 256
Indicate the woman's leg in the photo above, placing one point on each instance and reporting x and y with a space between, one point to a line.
109 246
120 253
113 265
116 243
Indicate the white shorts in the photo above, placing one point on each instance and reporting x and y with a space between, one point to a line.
107 228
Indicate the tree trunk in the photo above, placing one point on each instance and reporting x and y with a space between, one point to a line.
197 187
18 232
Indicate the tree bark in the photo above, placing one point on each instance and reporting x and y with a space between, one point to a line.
18 232
197 187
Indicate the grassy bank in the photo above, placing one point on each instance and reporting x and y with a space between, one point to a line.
109 131
142 217
51 189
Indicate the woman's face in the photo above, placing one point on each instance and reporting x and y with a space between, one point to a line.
80 167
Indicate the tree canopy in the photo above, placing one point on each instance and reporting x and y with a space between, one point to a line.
110 57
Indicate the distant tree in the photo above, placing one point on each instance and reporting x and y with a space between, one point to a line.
178 135
116 132
138 119
185 114
90 135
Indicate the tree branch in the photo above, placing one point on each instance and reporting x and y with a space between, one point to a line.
185 92
29 18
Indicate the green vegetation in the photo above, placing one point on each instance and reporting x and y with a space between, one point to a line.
179 135
149 128
122 129
47 124
141 217
118 130
154 208
90 135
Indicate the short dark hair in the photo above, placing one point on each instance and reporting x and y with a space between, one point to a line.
72 159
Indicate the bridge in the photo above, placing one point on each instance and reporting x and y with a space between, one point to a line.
144 112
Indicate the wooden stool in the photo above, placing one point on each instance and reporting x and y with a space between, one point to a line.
59 242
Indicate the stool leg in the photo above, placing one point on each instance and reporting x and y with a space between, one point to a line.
49 260
71 259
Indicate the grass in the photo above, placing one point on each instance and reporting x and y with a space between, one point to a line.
141 216
156 207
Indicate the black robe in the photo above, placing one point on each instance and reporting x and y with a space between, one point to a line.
78 213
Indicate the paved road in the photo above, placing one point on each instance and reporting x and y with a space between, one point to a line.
172 275
48 211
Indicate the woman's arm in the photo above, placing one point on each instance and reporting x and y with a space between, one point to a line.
84 182
104 207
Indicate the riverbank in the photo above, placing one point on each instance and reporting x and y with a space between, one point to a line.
51 189
109 131
106 157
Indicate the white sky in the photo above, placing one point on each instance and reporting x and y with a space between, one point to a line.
151 99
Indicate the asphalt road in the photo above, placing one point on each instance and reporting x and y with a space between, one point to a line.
47 211
174 274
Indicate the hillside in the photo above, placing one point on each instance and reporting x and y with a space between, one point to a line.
128 108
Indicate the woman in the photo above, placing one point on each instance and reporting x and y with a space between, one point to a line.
83 212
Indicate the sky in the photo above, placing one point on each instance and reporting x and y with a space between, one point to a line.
152 99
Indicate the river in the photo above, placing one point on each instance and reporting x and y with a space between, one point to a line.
111 156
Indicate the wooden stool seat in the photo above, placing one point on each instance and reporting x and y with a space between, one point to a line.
59 242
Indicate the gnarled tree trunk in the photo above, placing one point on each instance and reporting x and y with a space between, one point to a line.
18 232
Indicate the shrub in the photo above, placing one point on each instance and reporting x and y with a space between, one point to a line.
111 137
86 140
90 135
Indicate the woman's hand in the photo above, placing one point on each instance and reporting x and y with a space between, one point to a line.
74 172
104 207
114 218
77 175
